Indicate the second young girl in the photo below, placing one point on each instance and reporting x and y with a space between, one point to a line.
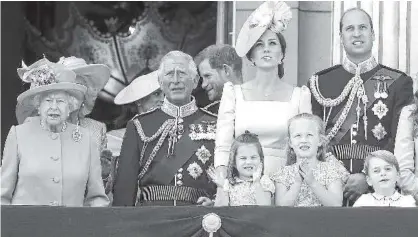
311 177
245 183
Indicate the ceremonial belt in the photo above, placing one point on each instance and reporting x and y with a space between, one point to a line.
352 151
170 193
352 115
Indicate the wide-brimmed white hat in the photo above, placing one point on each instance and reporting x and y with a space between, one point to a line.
139 88
93 76
272 15
45 76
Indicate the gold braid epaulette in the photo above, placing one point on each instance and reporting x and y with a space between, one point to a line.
162 132
327 102
208 112
351 88
144 113
206 108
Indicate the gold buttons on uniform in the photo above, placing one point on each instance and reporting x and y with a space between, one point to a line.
178 178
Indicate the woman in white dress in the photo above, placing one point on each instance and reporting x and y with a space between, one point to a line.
262 105
406 148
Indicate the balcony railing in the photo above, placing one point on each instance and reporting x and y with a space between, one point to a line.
22 221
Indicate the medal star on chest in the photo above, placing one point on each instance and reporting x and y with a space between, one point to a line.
380 109
379 132
203 154
194 170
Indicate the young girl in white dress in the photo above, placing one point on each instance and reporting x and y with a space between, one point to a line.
245 183
382 173
312 177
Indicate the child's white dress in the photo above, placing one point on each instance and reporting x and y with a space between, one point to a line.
377 200
243 193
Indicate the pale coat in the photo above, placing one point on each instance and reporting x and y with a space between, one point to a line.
406 151
38 170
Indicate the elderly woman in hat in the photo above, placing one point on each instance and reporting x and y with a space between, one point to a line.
46 160
264 104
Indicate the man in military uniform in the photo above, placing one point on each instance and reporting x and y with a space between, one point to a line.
360 100
217 65
166 152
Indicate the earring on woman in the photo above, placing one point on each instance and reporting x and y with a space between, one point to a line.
252 63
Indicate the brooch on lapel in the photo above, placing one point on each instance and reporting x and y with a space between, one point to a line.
203 131
379 132
194 170
203 154
380 109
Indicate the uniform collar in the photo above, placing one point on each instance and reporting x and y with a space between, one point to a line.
360 68
179 111
394 197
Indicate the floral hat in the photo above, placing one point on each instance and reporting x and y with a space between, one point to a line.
93 76
273 15
139 88
44 76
